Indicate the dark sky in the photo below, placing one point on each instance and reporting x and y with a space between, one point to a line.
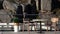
55 4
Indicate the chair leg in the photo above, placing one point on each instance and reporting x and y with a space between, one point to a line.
23 27
47 28
35 26
28 28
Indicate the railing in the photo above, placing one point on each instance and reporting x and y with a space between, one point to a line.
10 24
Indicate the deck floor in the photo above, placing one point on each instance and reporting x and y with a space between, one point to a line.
31 32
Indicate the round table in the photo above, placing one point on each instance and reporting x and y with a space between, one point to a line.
40 21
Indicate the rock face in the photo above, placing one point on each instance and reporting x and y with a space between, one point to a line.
46 4
9 6
4 17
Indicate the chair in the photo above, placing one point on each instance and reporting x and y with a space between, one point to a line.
26 21
33 24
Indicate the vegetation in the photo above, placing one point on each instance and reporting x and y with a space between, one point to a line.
15 19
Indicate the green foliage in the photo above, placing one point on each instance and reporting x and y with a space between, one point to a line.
15 19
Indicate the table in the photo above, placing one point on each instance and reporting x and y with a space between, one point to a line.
39 20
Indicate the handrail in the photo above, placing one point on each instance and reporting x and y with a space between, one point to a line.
4 24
